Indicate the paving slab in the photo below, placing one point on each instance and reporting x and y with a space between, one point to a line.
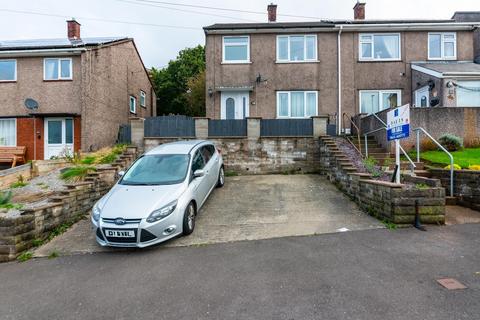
250 208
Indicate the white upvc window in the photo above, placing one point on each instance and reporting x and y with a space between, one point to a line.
379 47
8 70
236 49
468 93
8 132
143 98
133 104
442 46
57 69
373 101
297 48
297 104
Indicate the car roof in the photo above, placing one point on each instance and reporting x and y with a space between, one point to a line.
178 147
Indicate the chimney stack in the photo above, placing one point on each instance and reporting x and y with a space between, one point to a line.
272 12
359 11
73 29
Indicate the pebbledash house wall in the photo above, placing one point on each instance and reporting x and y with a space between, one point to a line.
97 97
320 76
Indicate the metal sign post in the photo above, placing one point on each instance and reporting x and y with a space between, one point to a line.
398 127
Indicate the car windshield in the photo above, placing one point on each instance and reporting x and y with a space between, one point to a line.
157 169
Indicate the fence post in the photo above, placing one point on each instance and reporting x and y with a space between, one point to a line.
320 125
253 127
138 132
201 127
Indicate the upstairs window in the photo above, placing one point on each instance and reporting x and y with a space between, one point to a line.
133 104
143 98
236 49
442 46
8 70
379 47
57 69
296 48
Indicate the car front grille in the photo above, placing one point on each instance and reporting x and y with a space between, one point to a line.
127 221
120 239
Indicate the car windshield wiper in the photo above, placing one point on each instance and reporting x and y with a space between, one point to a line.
136 183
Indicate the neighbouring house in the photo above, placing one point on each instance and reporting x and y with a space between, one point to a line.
303 69
70 94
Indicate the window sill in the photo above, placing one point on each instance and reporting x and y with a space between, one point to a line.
442 59
379 60
57 80
237 62
8 81
306 61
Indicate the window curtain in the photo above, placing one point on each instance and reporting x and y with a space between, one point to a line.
283 104
51 69
282 48
7 132
369 102
311 104
386 47
297 104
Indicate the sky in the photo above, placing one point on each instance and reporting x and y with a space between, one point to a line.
158 43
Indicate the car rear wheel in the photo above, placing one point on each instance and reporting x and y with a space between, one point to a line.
189 219
221 177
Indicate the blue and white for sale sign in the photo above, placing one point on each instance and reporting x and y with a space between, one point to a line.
398 123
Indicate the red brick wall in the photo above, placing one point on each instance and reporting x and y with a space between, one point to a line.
25 136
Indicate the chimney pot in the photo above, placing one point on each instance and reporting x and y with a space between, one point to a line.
272 12
73 29
359 11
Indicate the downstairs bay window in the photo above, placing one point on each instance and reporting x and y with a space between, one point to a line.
373 101
297 104
468 93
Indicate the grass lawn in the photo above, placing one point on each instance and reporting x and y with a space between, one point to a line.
465 158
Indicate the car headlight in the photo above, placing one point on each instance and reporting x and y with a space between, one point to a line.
96 212
162 212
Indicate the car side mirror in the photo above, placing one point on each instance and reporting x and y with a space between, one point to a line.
198 173
121 173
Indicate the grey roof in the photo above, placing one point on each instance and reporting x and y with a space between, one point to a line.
312 24
56 43
451 67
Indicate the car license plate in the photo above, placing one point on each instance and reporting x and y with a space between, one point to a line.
120 233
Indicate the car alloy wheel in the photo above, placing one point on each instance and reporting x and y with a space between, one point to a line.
189 219
221 178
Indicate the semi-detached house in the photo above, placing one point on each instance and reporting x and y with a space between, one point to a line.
63 95
303 69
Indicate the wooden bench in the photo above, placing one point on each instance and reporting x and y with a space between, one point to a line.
12 155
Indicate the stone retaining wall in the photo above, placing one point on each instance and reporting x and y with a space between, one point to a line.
261 155
466 186
9 176
18 233
385 200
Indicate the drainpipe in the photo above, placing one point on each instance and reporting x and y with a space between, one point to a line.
339 75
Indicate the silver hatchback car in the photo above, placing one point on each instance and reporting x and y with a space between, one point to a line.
159 196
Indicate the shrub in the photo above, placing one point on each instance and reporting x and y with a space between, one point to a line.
427 145
451 142
475 167
455 167
5 197
88 160
77 173
371 165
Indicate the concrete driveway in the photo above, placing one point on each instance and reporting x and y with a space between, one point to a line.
251 208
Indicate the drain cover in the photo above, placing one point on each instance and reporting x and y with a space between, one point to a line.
451 284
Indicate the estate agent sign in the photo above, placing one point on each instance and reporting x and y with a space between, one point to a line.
398 123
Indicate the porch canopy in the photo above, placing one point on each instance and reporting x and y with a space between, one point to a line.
448 69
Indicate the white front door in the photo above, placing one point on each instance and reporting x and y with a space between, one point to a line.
422 97
58 137
234 105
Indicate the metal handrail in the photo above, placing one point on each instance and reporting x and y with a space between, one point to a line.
359 149
417 130
412 164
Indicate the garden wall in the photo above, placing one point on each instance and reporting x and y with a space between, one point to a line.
262 155
18 233
466 186
9 176
385 200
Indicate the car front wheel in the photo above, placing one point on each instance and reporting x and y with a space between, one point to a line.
221 177
189 219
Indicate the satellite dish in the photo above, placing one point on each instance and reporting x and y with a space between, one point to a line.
31 104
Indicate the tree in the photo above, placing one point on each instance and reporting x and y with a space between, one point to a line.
181 76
